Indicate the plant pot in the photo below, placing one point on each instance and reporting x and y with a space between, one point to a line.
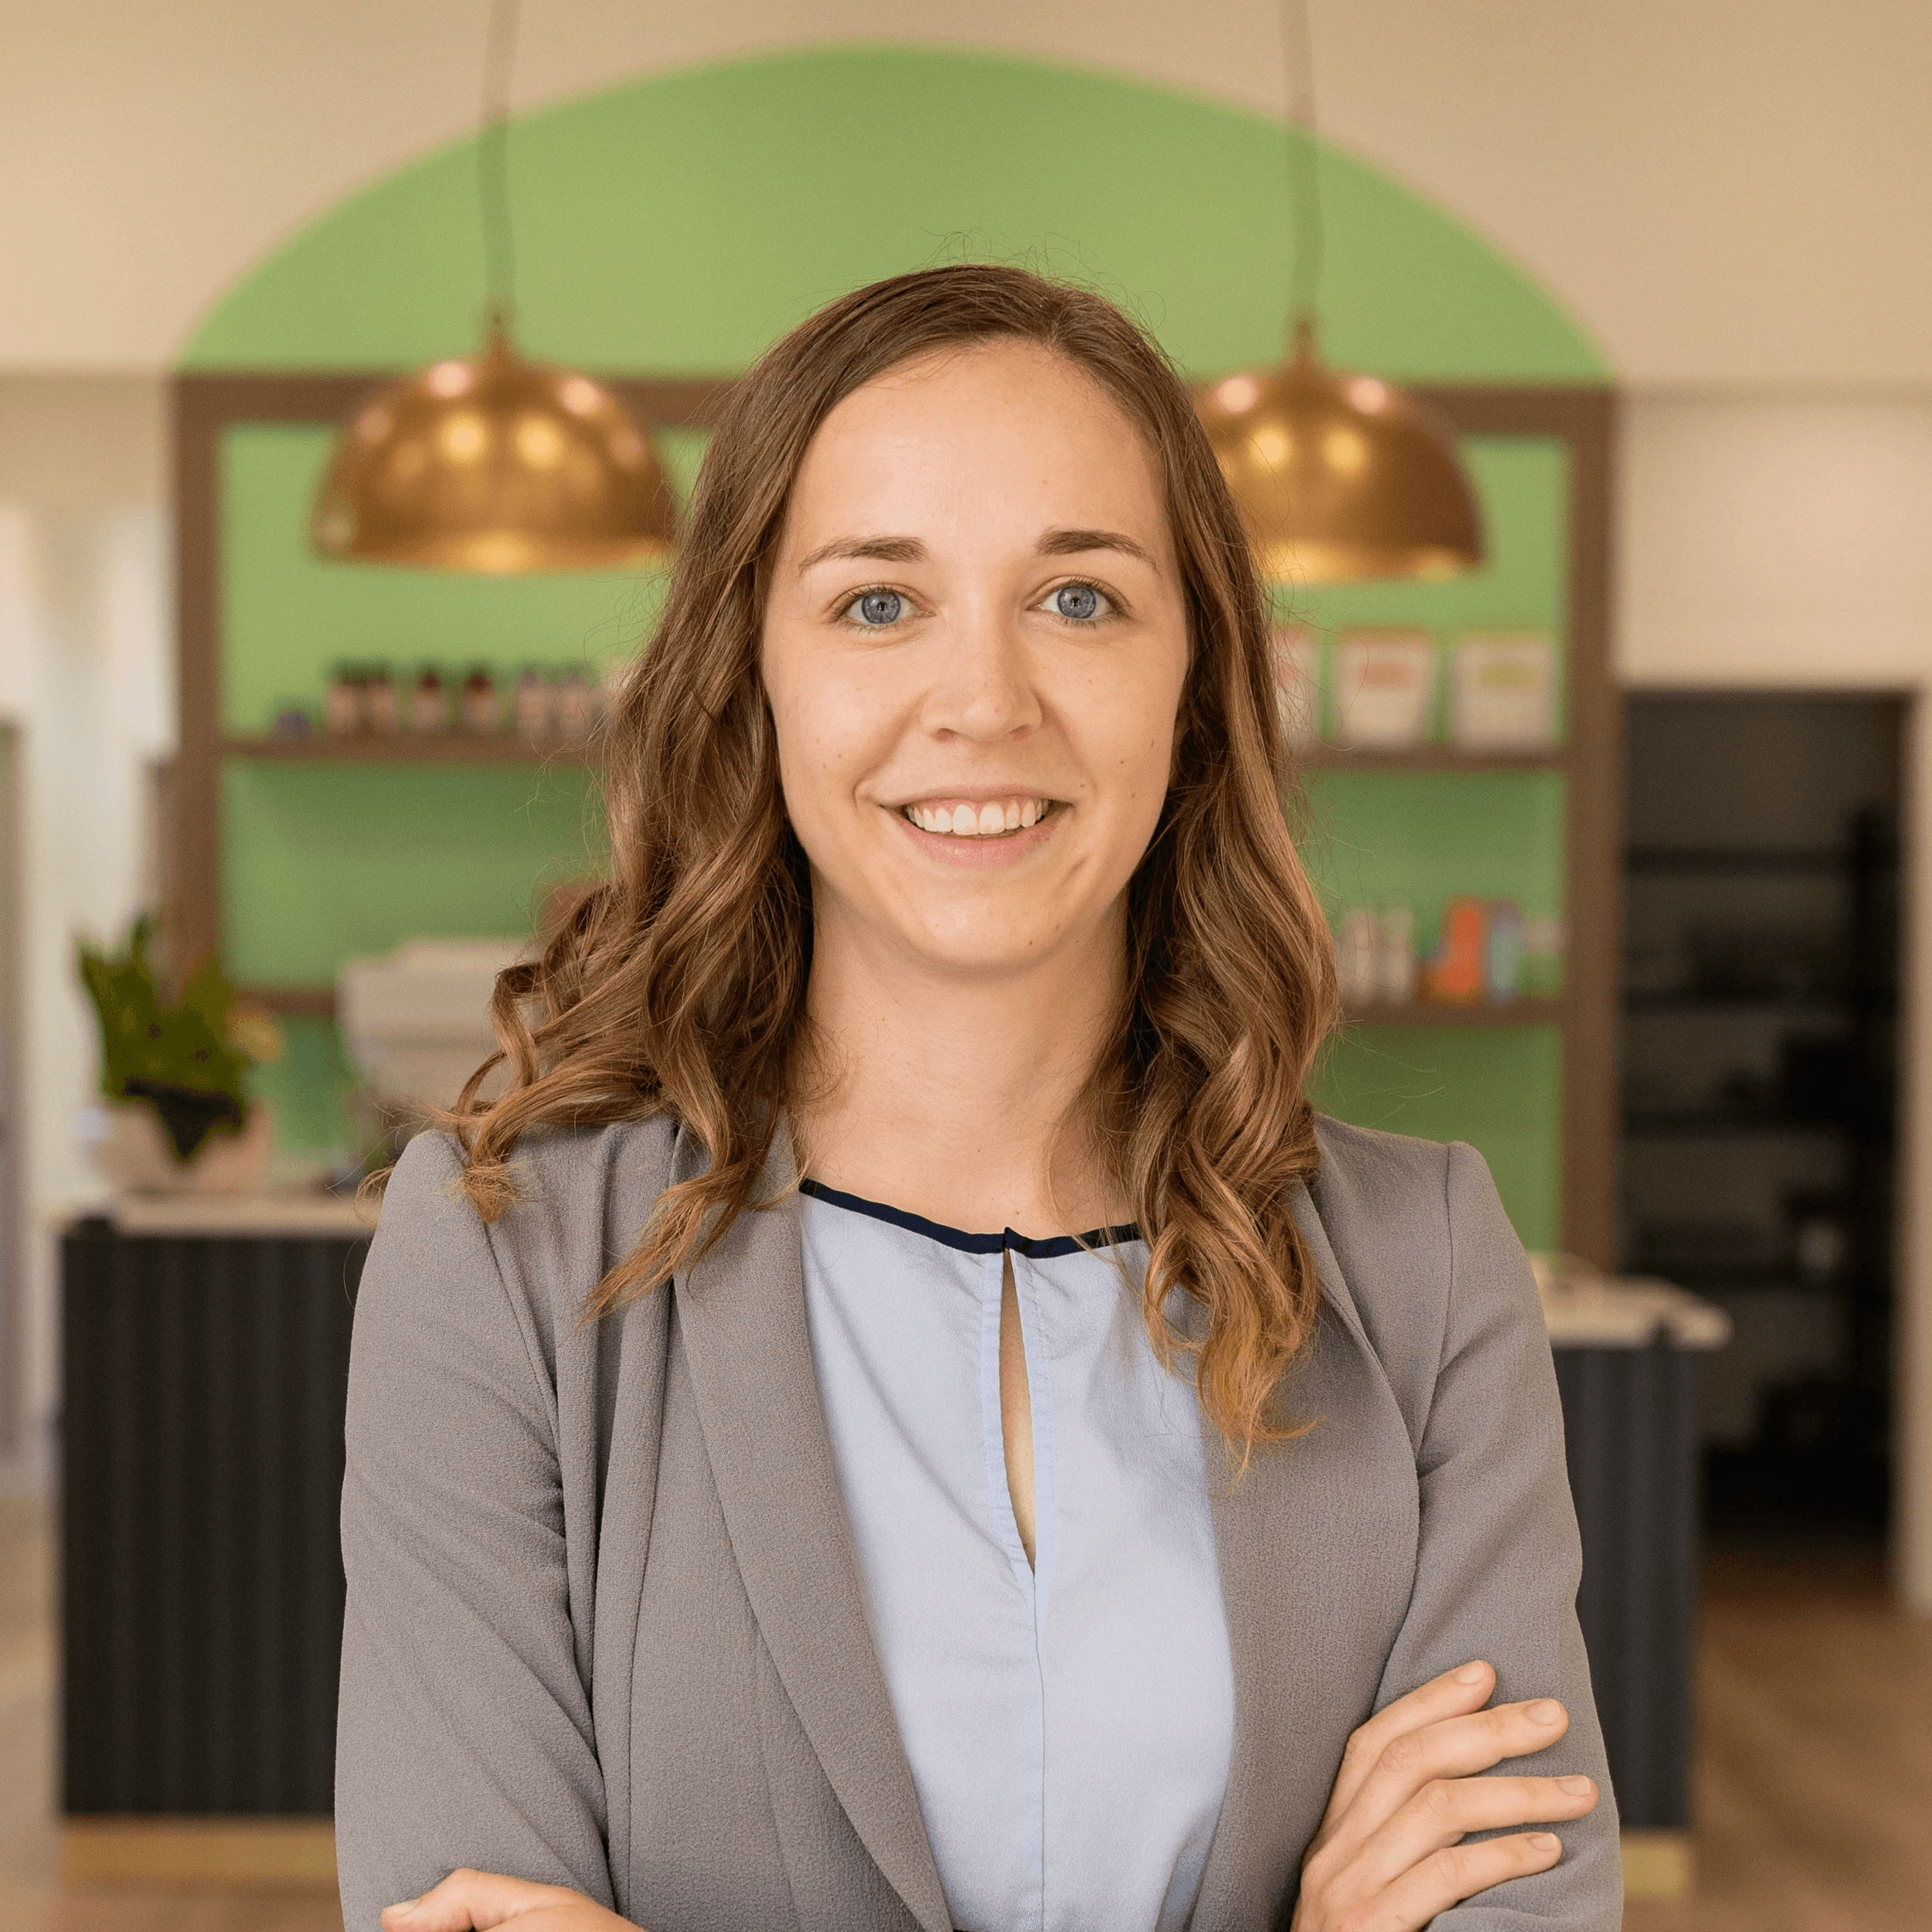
131 1148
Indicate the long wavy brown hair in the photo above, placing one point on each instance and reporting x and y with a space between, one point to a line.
679 986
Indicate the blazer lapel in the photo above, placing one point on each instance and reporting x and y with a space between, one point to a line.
1316 1543
741 1314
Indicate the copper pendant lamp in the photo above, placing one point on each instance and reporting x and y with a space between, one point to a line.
1340 477
493 463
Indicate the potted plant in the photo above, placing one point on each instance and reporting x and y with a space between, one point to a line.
176 1117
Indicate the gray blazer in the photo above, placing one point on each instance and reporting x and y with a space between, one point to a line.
605 1627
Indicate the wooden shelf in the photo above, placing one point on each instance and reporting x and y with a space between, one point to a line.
309 1002
1427 758
404 748
1421 1012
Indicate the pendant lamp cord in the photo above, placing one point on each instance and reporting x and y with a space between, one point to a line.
1304 188
493 170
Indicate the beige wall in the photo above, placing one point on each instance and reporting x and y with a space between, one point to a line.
1726 191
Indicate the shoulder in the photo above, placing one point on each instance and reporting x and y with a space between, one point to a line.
1425 1252
584 1194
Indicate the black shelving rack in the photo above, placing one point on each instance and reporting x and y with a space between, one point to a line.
1843 1094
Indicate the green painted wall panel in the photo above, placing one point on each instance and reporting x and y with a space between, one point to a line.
1500 1089
1422 837
683 221
326 863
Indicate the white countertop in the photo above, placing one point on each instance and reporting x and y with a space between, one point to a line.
1630 1311
296 1212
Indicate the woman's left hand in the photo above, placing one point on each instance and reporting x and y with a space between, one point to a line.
468 1901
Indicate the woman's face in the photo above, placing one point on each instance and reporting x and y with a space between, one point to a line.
974 646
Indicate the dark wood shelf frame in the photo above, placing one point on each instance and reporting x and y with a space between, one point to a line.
205 405
1422 1012
403 748
1426 758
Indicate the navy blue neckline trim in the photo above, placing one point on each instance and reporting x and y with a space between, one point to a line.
1046 1250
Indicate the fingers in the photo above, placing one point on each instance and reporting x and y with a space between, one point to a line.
468 1901
1455 1692
1445 1878
1452 1748
1444 1810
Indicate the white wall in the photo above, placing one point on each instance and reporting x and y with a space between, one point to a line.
1786 544
1733 190
86 678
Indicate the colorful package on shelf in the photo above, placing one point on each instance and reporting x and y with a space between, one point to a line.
1297 684
1384 681
1504 691
1457 973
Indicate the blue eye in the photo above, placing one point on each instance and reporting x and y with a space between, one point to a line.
1081 603
877 608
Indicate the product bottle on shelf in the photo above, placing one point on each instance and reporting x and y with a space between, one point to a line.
379 705
429 701
1543 961
343 700
1503 952
530 707
1396 955
1357 948
480 710
577 707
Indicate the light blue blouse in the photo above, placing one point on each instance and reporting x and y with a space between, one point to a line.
1069 1728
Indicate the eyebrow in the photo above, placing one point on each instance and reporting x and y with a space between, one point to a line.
1075 542
883 550
909 550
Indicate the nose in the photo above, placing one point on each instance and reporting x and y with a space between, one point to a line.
982 687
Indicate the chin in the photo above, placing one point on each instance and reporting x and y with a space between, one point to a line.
987 944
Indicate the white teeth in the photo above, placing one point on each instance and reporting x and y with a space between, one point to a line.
988 820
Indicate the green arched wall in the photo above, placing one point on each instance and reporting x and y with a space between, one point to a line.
678 223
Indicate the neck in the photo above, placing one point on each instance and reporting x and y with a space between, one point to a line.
955 1096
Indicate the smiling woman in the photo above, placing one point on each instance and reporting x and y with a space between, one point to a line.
737 1535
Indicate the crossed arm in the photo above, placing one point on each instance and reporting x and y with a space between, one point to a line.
1390 1854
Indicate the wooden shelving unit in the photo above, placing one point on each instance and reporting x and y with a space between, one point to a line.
206 405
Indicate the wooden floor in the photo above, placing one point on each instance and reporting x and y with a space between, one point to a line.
1813 1781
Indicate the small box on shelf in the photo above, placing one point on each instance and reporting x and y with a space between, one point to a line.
1384 689
1504 691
